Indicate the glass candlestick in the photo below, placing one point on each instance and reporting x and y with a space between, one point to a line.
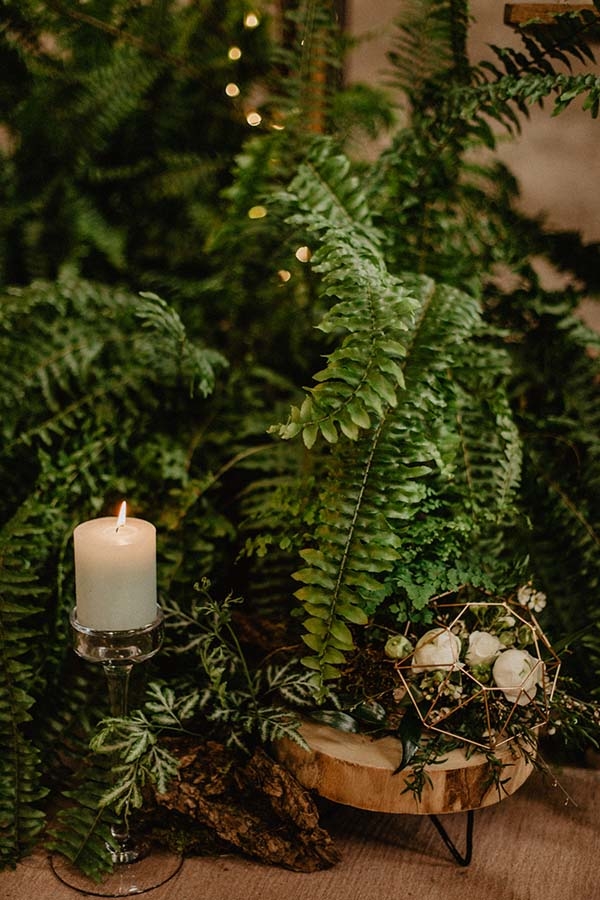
137 867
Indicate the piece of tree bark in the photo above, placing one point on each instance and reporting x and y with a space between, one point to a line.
251 806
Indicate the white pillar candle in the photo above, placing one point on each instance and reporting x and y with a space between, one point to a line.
115 573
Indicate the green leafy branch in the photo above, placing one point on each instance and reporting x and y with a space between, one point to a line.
244 703
134 744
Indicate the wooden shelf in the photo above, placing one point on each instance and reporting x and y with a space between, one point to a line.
518 14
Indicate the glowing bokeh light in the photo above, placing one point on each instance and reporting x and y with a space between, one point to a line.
234 53
254 119
257 212
303 254
232 90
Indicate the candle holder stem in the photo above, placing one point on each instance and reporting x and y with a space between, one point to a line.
117 679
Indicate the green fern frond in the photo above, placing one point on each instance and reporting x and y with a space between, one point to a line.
312 51
108 94
22 600
430 420
127 756
74 369
364 374
562 486
81 832
22 817
378 484
490 447
429 45
493 98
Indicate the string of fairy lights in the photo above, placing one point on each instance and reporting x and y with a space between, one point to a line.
234 54
254 119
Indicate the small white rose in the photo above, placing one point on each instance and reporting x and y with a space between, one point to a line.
518 674
483 648
437 649
398 647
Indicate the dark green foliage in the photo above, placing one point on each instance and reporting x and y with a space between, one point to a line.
96 371
113 115
241 702
22 600
82 830
423 404
447 431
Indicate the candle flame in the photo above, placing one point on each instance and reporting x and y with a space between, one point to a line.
122 517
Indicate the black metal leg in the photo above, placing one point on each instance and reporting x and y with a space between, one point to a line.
461 859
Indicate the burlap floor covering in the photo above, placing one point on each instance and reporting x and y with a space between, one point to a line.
529 847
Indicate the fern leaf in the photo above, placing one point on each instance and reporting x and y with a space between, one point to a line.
364 374
21 790
411 364
82 829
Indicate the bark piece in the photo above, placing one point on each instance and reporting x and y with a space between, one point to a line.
253 806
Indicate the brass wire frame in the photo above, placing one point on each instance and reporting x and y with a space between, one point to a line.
550 669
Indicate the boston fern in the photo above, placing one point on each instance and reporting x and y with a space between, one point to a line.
420 484
425 419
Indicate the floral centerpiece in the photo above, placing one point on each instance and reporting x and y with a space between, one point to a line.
481 677
484 675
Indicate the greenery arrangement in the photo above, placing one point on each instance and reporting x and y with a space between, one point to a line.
447 448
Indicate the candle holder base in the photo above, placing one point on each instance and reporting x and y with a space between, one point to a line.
128 878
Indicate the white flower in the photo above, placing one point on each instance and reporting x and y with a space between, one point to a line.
437 649
518 674
483 648
532 599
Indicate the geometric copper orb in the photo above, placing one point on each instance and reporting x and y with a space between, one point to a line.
462 699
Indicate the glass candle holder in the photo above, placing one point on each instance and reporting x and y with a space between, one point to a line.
137 867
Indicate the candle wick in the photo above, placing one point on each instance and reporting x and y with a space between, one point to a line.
122 517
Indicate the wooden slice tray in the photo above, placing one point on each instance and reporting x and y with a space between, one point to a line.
357 770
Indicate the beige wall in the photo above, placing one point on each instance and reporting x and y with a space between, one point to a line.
557 161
